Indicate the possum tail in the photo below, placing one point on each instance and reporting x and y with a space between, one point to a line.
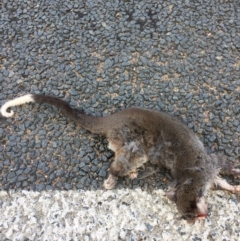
91 123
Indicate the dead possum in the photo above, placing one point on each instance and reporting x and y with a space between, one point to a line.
137 136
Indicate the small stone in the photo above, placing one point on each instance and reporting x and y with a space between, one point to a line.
102 173
238 128
11 74
44 143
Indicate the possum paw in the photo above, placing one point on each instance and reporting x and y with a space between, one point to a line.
133 175
236 189
110 182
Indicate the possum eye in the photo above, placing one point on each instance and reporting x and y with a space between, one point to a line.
193 204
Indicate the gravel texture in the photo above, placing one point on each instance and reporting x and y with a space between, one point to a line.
112 215
182 57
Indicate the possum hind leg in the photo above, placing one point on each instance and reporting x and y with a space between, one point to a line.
223 184
118 167
110 182
226 168
128 158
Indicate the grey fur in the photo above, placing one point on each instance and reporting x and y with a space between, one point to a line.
139 135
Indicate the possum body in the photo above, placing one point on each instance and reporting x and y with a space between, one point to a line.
137 136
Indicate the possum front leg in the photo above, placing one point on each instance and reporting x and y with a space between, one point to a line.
226 168
219 182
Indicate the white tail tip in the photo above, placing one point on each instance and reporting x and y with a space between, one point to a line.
17 101
5 113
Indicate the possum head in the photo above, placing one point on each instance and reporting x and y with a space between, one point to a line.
189 199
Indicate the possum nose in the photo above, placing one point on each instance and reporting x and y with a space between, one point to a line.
202 215
202 210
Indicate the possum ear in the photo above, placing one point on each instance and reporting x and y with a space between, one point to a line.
132 146
171 194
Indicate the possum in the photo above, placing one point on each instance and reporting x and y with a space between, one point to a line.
137 136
